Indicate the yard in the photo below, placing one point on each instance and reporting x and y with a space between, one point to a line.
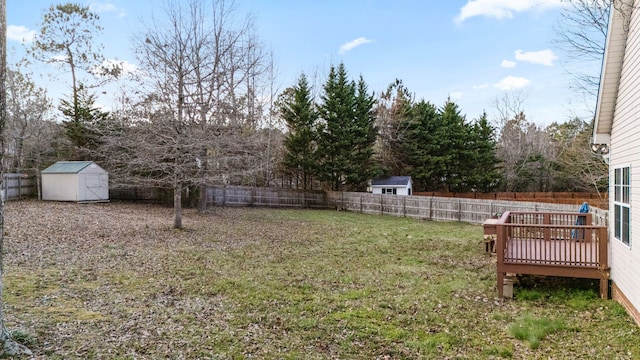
115 281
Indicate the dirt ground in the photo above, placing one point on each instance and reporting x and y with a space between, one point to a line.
79 278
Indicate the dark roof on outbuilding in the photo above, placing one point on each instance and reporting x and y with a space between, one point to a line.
391 180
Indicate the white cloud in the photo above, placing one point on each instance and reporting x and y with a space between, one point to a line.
512 83
126 68
58 59
508 64
353 44
543 57
20 34
106 7
500 9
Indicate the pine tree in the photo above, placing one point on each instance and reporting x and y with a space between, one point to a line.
347 132
454 136
485 176
363 167
421 147
84 121
297 109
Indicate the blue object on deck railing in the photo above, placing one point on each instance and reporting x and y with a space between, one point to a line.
580 220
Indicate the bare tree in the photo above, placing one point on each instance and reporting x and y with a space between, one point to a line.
198 120
510 105
9 346
581 33
579 169
392 110
526 156
27 110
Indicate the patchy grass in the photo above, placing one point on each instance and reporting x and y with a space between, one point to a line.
115 281
533 330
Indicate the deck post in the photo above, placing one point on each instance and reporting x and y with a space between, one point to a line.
604 287
501 232
603 259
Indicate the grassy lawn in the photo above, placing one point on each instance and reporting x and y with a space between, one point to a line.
115 281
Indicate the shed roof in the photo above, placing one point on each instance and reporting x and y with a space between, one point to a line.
67 167
392 180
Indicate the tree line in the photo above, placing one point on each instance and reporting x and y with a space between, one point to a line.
203 110
441 150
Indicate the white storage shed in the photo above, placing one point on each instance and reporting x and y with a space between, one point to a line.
80 181
392 185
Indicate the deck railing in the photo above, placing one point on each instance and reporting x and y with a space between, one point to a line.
553 244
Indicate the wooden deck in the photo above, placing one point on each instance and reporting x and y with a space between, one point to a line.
552 244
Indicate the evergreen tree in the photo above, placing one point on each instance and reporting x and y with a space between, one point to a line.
421 147
297 108
455 148
347 132
444 152
484 176
364 132
84 121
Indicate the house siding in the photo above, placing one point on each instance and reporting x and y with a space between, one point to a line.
401 190
625 132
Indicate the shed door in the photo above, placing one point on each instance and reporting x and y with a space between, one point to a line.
94 187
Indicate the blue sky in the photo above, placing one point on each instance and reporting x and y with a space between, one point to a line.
472 51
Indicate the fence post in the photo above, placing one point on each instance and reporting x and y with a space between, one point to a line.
381 207
404 207
431 208
459 210
252 200
360 204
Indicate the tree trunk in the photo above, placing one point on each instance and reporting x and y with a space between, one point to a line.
9 347
202 201
177 205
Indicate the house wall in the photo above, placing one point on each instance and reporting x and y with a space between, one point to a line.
625 151
400 190
60 187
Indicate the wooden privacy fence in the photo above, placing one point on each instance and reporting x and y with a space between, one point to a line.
574 198
444 208
419 207
17 186
255 196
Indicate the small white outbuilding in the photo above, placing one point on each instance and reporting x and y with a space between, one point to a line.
392 185
80 181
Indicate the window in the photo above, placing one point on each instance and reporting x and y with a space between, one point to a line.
389 191
621 203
